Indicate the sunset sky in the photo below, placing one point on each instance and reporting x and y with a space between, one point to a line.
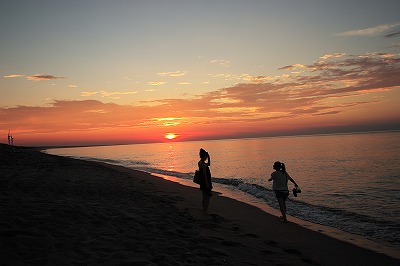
108 72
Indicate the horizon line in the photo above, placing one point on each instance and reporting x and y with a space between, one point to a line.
45 147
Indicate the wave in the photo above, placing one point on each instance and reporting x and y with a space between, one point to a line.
126 163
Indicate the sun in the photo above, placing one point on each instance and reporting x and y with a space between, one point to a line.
170 136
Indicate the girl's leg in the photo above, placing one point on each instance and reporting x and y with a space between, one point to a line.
282 207
206 200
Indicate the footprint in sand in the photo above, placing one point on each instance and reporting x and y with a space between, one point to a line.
271 243
267 252
252 235
231 243
293 251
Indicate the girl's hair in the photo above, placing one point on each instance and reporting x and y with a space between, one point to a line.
202 153
280 166
283 168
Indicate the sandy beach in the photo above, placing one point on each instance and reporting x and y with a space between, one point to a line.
63 211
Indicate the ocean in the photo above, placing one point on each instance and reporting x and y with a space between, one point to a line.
350 182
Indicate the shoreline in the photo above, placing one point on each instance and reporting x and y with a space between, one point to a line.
338 234
59 210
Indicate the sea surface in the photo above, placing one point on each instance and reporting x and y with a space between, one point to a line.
350 182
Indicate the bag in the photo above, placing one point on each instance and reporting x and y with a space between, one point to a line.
197 177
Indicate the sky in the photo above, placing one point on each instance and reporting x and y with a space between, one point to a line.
115 72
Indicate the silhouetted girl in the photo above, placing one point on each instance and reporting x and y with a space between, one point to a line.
205 185
280 185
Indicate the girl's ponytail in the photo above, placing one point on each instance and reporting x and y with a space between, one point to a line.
283 167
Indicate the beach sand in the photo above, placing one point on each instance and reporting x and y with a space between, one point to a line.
62 211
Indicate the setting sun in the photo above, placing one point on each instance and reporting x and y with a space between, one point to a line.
170 136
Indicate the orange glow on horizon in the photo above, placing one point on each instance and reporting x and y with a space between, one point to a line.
170 136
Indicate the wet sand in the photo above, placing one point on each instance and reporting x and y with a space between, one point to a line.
62 211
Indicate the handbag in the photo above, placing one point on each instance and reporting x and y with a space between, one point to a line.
197 177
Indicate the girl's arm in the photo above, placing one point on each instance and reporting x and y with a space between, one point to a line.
272 177
204 168
292 180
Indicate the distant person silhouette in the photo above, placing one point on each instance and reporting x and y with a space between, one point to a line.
206 184
9 138
280 185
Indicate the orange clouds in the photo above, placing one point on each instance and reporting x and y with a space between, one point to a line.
336 91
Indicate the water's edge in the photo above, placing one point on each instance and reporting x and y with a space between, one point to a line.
238 190
326 230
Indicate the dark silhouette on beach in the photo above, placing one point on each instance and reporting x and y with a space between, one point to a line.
280 185
10 138
206 184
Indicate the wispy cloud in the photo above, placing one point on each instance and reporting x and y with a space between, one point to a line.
88 93
11 76
395 46
156 83
98 111
40 77
230 76
373 31
173 74
108 93
335 55
258 79
113 94
292 67
221 62
393 34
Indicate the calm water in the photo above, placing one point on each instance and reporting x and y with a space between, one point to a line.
350 182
